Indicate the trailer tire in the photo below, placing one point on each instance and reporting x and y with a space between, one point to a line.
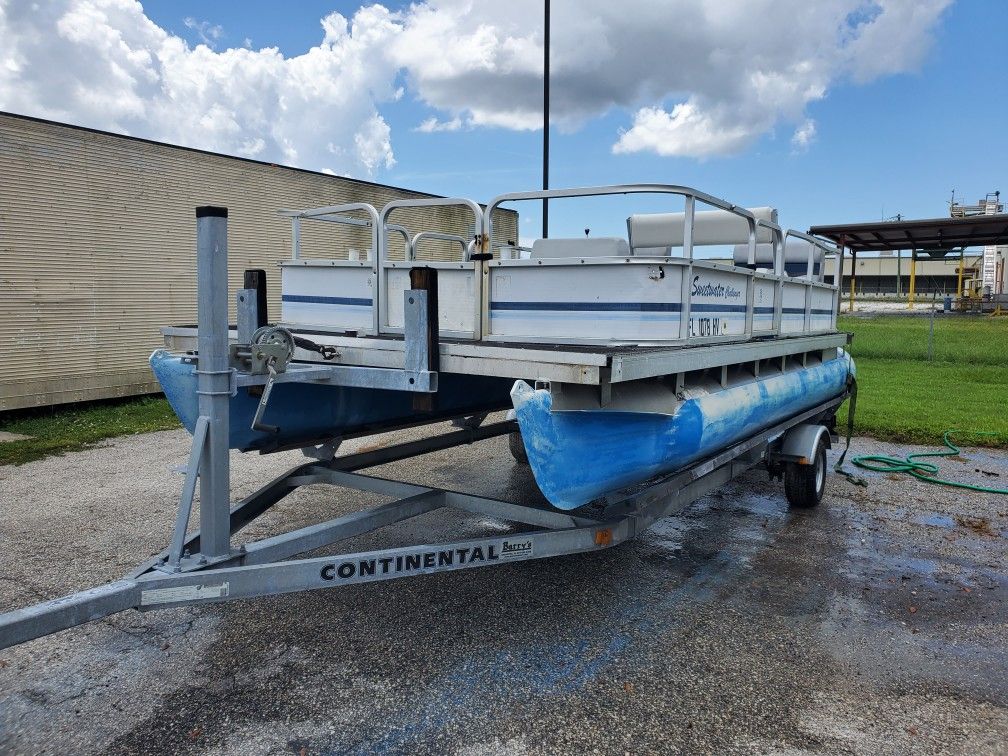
804 484
517 447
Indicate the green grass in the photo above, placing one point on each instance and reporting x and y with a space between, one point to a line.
905 398
65 429
980 341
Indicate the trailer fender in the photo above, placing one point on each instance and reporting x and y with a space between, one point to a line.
799 444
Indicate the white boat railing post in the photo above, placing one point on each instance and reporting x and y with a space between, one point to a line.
751 278
408 252
838 278
378 252
687 282
485 234
477 211
213 380
778 269
808 306
808 287
295 238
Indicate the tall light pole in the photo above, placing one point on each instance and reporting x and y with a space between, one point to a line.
546 78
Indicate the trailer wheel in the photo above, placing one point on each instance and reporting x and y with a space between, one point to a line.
517 447
804 484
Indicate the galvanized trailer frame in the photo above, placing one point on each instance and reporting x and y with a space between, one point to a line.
263 567
205 567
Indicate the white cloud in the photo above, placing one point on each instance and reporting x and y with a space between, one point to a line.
731 70
895 39
207 32
686 131
698 77
432 124
103 63
803 136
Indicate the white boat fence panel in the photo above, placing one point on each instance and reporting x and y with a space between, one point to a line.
336 294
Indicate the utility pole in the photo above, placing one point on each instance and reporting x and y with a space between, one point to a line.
546 78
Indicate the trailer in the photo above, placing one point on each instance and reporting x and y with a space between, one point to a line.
399 351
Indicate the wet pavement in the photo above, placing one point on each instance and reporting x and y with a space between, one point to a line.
876 623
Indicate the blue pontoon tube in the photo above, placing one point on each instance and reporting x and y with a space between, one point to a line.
578 455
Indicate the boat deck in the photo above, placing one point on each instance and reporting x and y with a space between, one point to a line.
586 364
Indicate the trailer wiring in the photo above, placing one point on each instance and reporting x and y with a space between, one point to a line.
838 468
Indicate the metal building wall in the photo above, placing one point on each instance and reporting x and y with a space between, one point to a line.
97 248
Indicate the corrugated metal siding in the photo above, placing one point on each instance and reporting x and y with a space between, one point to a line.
97 249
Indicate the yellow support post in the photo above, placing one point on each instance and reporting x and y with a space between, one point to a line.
853 273
959 290
913 278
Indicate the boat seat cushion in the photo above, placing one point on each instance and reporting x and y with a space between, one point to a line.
795 257
599 246
657 233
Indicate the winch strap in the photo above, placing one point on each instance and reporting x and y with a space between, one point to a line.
328 352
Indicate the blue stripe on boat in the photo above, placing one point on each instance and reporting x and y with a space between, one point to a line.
698 307
631 317
612 307
589 306
311 299
787 311
801 311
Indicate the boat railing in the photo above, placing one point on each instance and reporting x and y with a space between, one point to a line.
779 241
334 214
813 241
699 301
816 315
397 229
459 313
468 245
765 293
691 196
349 286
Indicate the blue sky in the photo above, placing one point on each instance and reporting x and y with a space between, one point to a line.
897 139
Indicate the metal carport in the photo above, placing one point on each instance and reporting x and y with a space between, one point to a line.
930 236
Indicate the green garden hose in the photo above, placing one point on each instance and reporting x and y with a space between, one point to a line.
922 470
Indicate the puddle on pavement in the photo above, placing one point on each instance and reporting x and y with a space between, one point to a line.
936 520
714 537
996 461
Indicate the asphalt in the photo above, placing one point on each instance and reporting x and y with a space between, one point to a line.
875 623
